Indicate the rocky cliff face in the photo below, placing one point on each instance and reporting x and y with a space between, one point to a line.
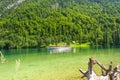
6 5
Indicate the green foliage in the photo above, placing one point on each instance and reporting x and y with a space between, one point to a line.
38 23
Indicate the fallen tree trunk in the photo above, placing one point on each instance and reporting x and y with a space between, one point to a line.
110 73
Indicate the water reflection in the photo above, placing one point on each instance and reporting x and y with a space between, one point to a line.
74 50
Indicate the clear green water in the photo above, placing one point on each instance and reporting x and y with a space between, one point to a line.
39 64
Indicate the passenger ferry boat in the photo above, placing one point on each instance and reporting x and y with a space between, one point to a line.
58 49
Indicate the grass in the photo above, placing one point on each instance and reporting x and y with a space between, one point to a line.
75 45
83 45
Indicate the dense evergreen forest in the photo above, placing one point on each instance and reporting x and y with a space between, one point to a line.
38 23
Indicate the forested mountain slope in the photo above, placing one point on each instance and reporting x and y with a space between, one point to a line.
38 23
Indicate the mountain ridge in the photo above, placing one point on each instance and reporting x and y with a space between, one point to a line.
38 23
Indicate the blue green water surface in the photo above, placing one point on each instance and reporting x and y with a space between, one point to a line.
40 64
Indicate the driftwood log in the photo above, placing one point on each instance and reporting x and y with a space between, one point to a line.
107 73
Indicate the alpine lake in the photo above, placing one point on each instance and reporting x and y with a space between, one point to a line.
41 64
